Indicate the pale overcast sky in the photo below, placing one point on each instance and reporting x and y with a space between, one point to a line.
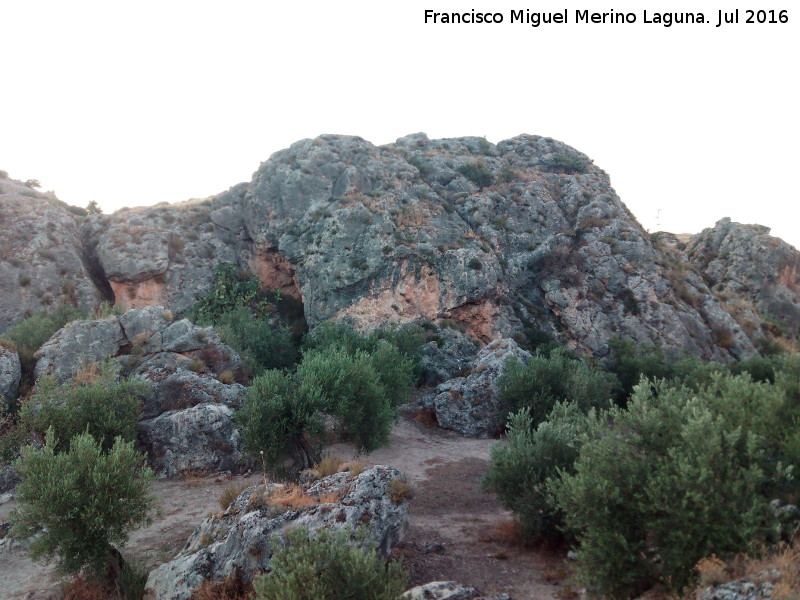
132 103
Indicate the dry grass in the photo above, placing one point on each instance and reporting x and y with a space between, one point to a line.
400 490
505 532
233 587
779 566
354 467
194 477
88 375
226 377
328 466
291 496
229 493
82 589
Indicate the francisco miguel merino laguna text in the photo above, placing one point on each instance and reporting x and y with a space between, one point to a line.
666 19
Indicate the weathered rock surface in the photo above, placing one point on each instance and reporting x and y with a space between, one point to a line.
448 590
200 438
10 374
447 357
239 538
9 478
167 254
521 239
41 255
470 404
754 273
187 422
739 590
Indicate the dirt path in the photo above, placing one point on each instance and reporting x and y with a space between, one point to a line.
455 530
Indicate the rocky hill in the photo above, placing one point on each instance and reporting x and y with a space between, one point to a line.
519 239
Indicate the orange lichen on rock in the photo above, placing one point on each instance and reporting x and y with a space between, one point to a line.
478 317
416 296
788 276
275 272
149 292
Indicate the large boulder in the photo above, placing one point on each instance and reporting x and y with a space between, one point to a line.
239 538
10 374
470 404
202 438
448 356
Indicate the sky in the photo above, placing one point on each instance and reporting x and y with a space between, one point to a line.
137 103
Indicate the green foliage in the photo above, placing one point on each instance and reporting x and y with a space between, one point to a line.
274 417
347 385
105 407
566 163
546 380
477 173
263 346
29 334
475 264
669 480
233 288
521 472
93 208
77 505
630 362
327 567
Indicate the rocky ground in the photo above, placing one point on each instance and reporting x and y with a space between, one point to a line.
456 531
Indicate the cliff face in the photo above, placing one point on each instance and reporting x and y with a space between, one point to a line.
755 274
513 239
41 255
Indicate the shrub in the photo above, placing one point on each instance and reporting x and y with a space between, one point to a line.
566 163
521 472
327 568
232 289
477 173
105 407
264 346
666 483
475 264
29 334
275 419
348 387
546 380
77 505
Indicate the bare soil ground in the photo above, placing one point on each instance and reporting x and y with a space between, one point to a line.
456 531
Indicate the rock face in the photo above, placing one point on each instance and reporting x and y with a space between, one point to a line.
163 255
525 235
754 273
448 590
470 404
522 239
10 374
41 255
739 590
239 538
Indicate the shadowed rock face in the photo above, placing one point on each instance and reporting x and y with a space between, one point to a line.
510 240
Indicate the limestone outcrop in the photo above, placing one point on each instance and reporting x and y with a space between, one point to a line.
240 537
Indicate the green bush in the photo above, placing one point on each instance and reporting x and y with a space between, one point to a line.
78 505
232 288
521 471
347 386
105 407
263 346
477 173
662 484
566 163
327 567
29 334
546 380
275 419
